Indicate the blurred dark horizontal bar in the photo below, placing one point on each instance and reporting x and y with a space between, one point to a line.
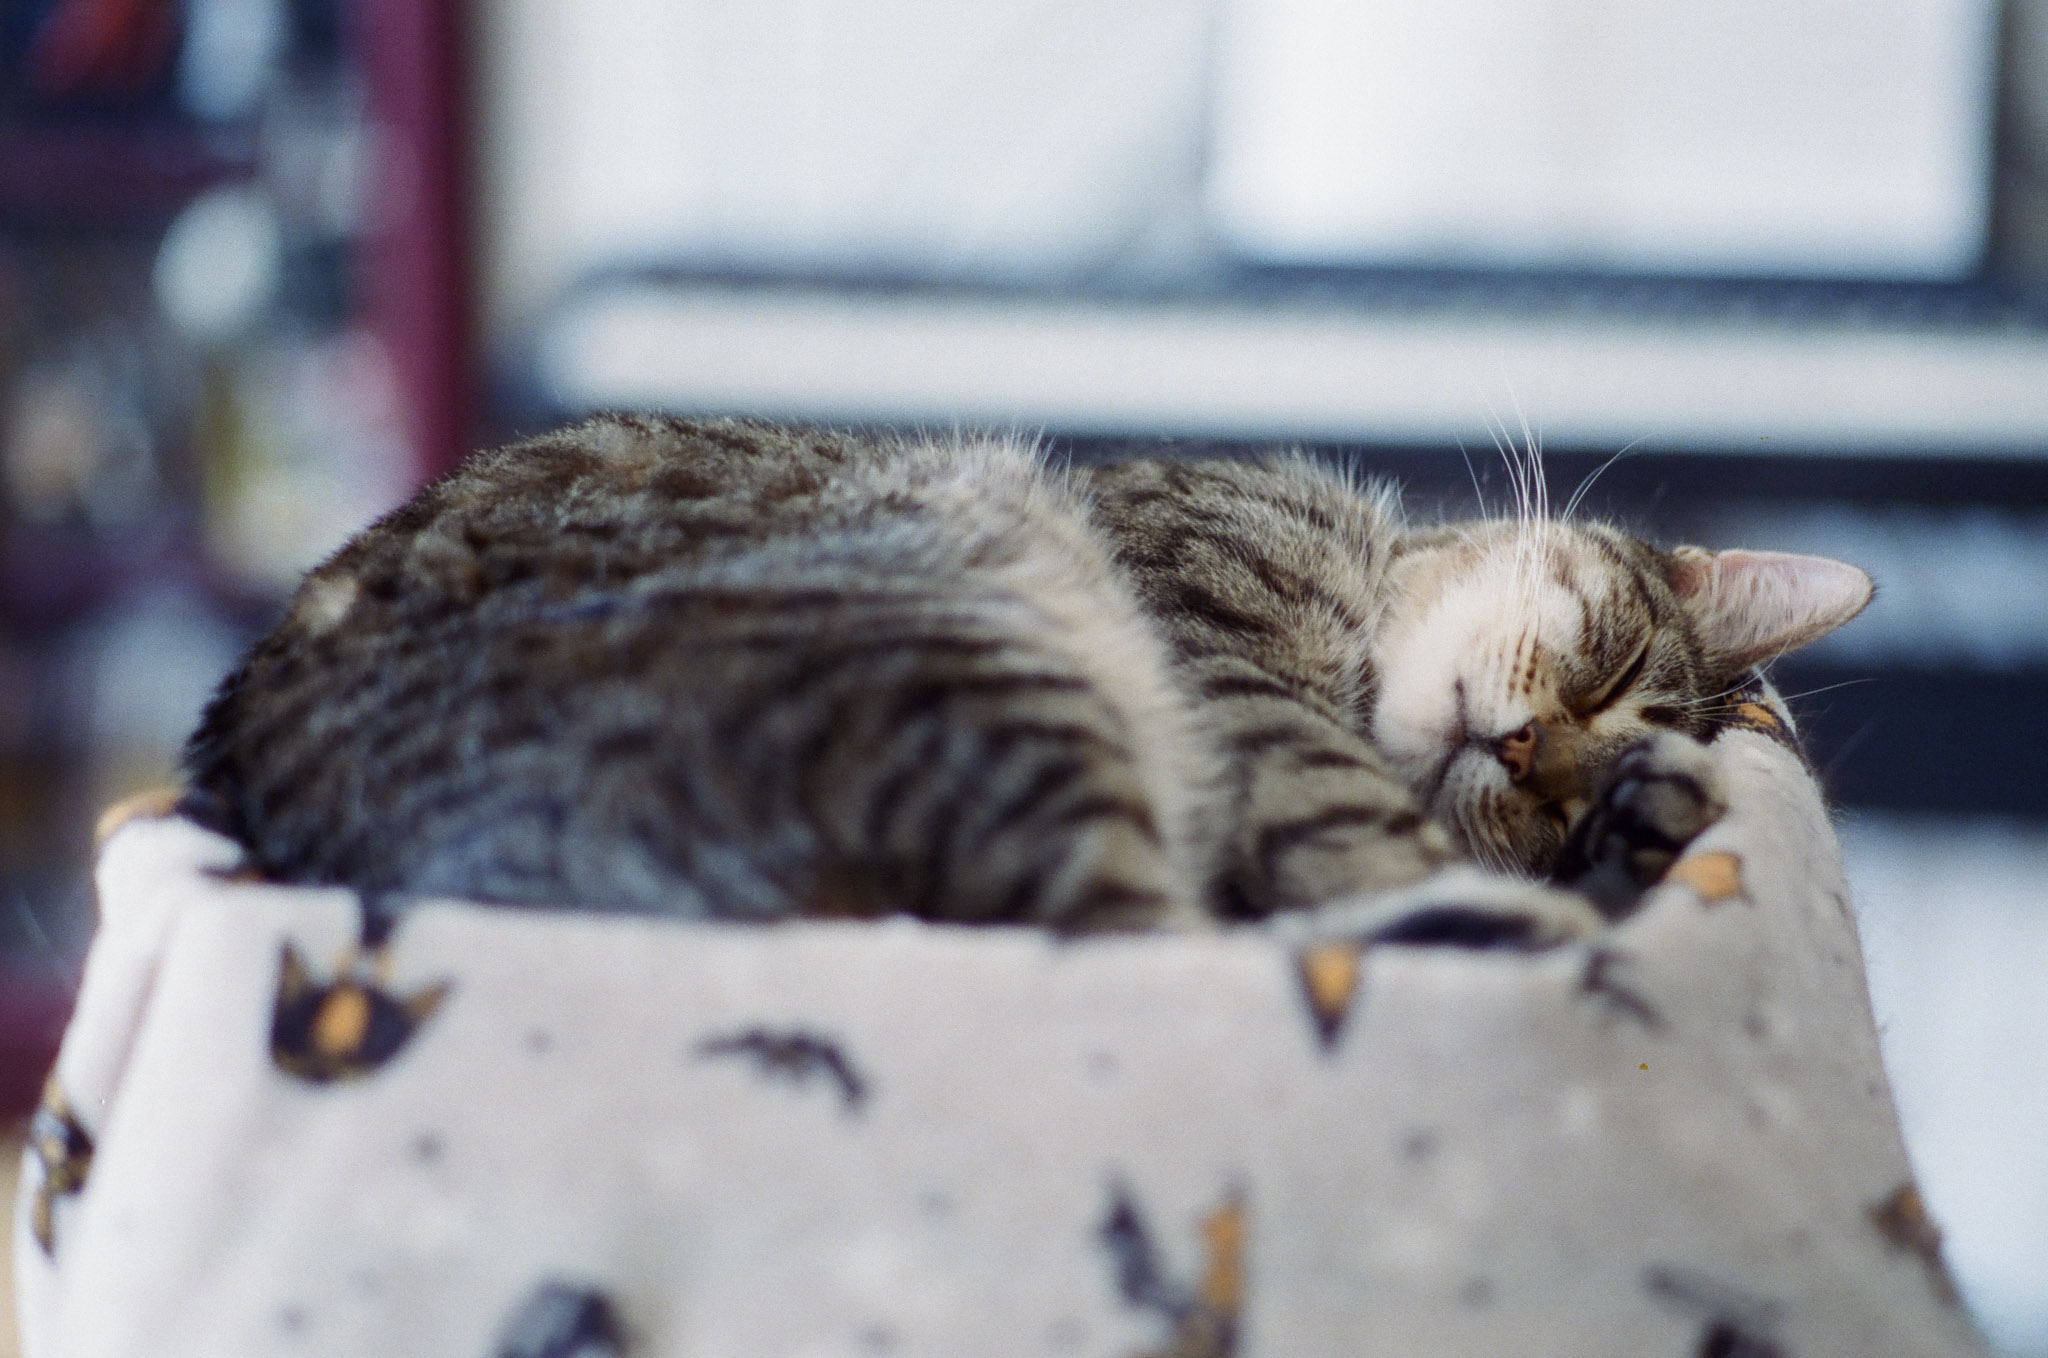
35 1003
1986 301
1957 742
1661 484
112 174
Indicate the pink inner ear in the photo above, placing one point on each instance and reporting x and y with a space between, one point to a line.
1692 570
1752 606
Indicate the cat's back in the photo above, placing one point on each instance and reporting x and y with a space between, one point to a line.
612 498
649 664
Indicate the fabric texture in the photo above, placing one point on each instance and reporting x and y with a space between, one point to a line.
498 1132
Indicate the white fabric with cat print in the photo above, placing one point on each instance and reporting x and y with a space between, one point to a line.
536 1133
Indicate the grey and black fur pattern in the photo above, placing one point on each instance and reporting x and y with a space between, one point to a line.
742 671
1266 581
716 670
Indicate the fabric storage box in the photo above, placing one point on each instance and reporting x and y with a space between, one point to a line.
498 1132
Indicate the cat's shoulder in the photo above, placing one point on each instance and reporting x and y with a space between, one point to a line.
1281 495
672 455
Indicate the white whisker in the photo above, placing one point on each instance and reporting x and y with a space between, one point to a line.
1571 505
1824 688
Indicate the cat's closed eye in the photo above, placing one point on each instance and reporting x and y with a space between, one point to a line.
1617 687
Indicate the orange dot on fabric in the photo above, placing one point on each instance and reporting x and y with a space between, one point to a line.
1715 876
343 1021
1329 976
1223 1232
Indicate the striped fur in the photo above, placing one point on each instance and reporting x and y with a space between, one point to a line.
743 671
1268 582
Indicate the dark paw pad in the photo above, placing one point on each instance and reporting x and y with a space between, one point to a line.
1662 794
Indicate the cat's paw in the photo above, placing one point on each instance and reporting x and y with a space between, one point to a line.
1338 852
1458 907
1661 794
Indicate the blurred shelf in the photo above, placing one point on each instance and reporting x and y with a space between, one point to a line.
1881 739
1228 369
52 577
35 1003
113 173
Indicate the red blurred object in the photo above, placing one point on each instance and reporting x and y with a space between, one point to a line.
107 48
416 265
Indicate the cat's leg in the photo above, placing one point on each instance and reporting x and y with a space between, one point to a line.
1055 826
1060 828
1660 795
975 775
1263 580
1310 811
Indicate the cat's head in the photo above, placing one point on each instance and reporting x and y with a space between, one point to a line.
1517 660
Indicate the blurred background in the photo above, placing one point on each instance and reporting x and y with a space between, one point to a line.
265 265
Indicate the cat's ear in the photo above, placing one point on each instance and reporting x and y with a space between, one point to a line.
1751 606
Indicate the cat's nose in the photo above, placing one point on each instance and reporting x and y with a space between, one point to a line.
1517 751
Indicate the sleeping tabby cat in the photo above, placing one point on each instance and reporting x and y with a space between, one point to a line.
744 671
